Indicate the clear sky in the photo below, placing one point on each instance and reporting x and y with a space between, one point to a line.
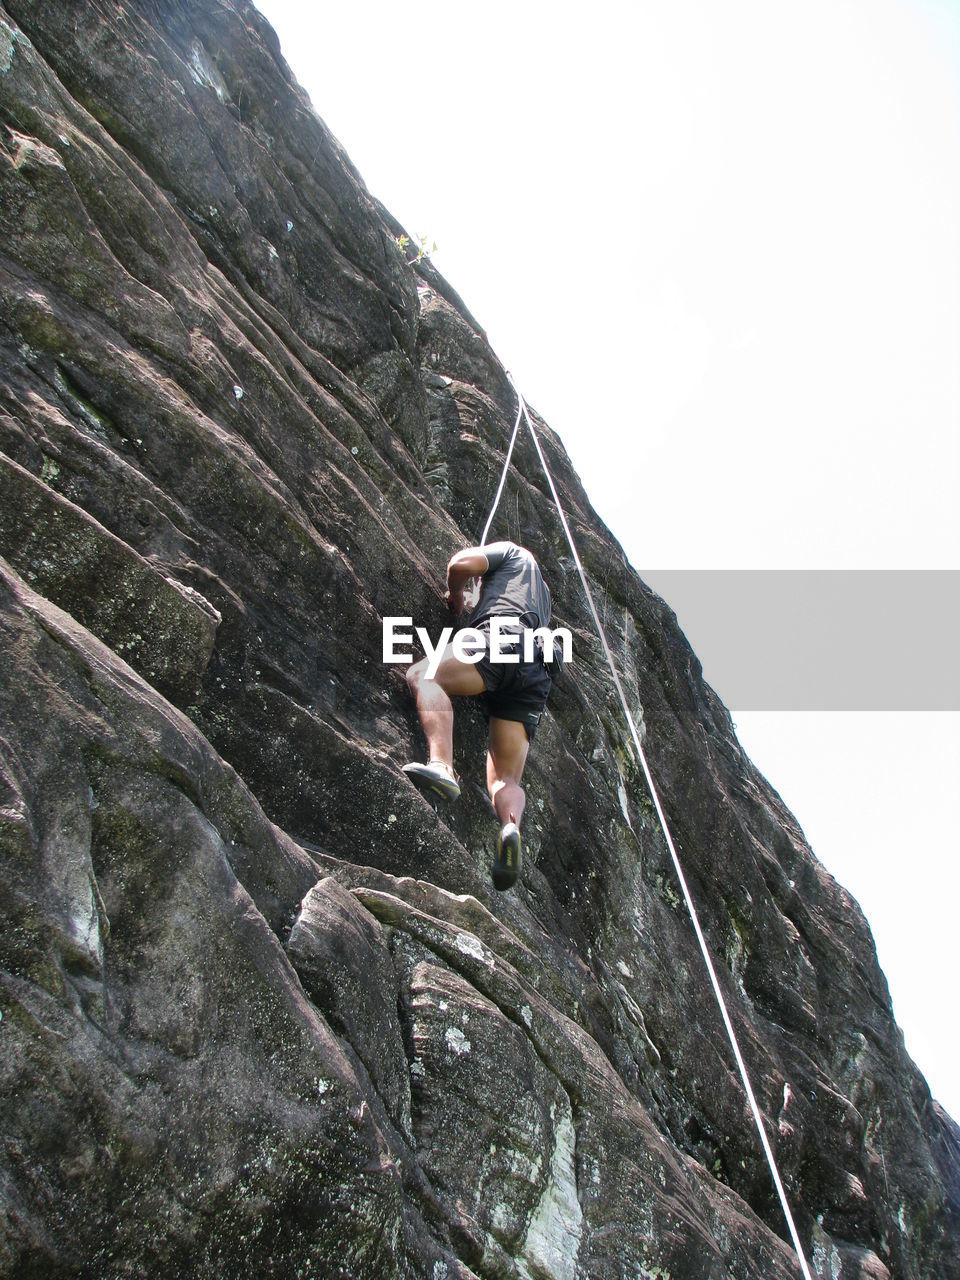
719 247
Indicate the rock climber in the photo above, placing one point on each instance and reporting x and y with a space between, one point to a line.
508 585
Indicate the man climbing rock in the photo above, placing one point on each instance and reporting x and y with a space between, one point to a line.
513 693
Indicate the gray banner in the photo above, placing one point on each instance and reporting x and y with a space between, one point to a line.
822 640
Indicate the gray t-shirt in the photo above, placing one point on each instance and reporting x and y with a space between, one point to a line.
512 587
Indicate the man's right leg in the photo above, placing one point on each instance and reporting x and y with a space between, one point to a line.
506 757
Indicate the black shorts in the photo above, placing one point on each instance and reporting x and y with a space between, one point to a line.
514 690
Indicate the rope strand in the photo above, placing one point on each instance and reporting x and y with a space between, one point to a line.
728 1024
506 467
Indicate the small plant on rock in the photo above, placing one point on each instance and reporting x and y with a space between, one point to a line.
423 251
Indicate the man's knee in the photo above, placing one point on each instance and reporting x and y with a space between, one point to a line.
416 674
497 784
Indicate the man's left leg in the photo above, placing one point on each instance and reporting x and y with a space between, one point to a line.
452 678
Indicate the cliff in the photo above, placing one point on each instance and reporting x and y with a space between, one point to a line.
262 1011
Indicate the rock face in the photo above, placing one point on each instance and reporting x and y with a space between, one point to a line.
262 1011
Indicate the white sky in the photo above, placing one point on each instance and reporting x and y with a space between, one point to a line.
718 245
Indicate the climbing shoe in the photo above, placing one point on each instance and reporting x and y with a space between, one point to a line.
506 866
434 777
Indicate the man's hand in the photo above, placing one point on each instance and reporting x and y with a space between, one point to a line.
466 564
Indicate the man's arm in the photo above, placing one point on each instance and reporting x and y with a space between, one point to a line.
466 564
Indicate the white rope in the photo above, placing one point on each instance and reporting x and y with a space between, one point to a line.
758 1118
506 467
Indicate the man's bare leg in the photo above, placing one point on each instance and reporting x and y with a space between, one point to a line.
506 757
452 678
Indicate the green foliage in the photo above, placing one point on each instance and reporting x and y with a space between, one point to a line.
423 251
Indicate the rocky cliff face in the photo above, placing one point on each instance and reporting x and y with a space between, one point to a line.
262 1012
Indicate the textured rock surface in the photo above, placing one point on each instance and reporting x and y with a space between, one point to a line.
262 1012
